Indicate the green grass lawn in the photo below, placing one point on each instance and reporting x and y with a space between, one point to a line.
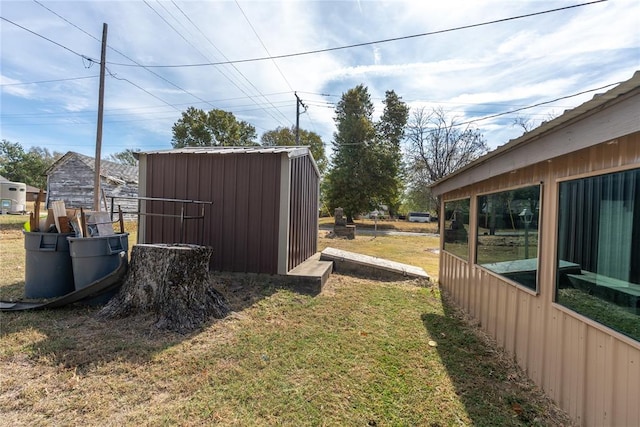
362 353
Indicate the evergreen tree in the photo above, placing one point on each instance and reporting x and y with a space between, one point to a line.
390 131
349 180
365 171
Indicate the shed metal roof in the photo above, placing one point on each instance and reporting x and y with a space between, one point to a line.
510 153
291 151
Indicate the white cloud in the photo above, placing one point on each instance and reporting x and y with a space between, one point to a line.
527 60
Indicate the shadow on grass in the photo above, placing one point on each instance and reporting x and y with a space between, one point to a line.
11 292
74 338
490 385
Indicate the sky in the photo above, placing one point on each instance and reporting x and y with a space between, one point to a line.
474 59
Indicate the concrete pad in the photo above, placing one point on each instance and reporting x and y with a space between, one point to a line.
351 261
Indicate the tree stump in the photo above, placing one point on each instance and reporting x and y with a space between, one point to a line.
171 281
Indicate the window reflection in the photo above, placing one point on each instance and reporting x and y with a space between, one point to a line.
599 235
508 234
456 226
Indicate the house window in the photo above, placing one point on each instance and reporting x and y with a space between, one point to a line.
456 228
598 266
507 229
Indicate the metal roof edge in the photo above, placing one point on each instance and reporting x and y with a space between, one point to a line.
585 109
305 150
291 151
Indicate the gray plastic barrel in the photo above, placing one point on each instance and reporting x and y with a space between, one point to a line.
95 257
48 270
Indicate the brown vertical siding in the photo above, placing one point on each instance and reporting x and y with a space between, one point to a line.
303 225
242 223
592 372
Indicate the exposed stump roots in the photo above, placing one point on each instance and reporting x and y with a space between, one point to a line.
171 281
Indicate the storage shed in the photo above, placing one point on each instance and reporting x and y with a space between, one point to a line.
541 246
264 212
72 176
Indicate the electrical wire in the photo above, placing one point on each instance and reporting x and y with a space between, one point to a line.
536 105
234 67
51 41
125 56
141 88
49 81
263 45
393 39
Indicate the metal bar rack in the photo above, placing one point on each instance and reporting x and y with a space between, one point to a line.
183 209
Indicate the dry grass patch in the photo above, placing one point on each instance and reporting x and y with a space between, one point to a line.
357 354
413 250
391 225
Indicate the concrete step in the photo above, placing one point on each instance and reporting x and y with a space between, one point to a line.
311 275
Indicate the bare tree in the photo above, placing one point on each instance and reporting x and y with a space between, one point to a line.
525 123
437 146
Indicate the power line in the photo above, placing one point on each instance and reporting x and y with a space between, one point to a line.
66 20
536 105
468 122
198 50
51 41
142 89
128 110
263 45
234 67
393 39
48 81
123 55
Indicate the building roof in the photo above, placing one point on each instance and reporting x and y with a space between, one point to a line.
535 146
109 170
291 151
30 188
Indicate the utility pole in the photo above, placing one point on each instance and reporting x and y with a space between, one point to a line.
96 182
298 104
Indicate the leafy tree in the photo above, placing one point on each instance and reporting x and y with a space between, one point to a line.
283 136
438 147
366 164
126 157
197 128
28 167
417 198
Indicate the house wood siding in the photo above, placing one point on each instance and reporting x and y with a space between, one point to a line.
591 371
71 180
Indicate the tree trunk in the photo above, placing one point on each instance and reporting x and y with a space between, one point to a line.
171 281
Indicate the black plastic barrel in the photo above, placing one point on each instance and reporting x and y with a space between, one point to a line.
48 269
95 257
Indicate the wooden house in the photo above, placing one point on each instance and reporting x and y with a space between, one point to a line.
71 179
541 246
